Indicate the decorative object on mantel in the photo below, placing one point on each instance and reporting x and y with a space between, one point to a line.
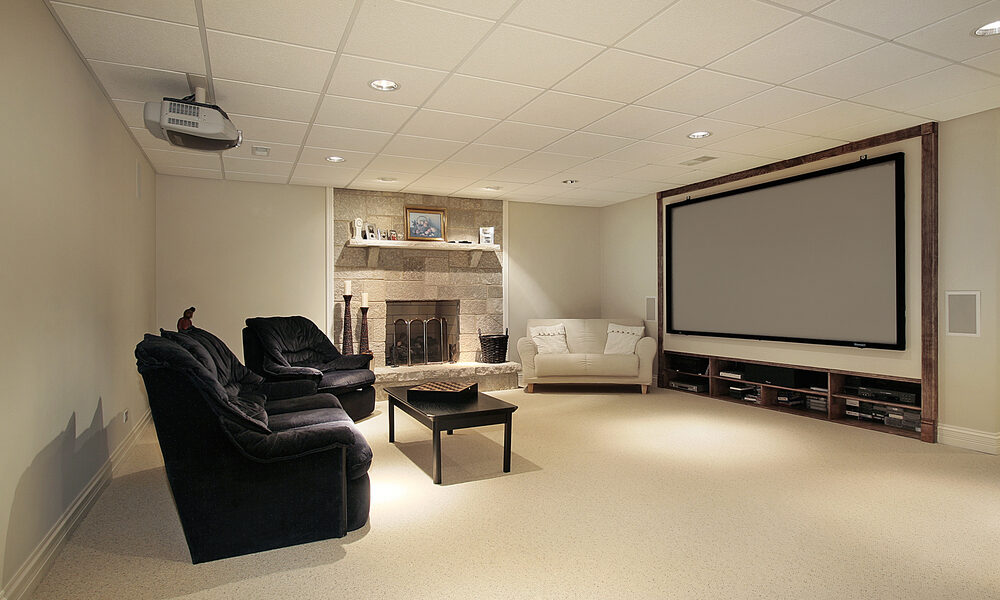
185 321
426 224
359 229
494 347
363 343
348 345
485 235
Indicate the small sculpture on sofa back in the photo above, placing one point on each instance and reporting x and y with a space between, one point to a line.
185 321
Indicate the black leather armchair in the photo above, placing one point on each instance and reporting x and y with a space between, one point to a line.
282 348
252 466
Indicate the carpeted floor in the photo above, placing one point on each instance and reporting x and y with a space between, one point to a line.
611 495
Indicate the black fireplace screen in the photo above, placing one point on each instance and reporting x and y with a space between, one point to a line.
420 332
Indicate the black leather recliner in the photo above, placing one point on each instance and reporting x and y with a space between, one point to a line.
251 465
281 348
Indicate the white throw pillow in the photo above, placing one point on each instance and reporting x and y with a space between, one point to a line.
549 339
622 338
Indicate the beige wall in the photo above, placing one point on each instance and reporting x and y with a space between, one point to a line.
76 270
554 264
235 249
628 264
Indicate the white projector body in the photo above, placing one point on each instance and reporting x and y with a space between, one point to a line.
192 125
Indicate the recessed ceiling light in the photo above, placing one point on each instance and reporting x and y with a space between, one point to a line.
492 188
260 150
387 179
697 135
988 29
335 158
571 181
384 85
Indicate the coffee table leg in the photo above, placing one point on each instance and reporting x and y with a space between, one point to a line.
436 467
392 421
506 444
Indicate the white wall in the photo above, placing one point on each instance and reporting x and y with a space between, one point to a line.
554 264
76 270
235 249
628 267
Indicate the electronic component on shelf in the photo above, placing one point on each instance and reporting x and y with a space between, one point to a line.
731 374
885 395
741 392
688 386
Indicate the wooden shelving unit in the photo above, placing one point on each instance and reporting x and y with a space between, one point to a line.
838 401
373 247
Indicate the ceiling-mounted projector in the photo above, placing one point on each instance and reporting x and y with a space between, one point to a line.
190 124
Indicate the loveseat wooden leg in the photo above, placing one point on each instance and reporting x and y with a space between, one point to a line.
529 389
645 389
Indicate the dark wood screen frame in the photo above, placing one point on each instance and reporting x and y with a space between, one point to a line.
928 134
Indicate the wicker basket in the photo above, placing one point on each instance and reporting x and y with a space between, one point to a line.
494 347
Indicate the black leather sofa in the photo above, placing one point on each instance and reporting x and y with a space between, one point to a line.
281 348
251 465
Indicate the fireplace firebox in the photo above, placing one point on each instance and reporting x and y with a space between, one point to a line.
421 332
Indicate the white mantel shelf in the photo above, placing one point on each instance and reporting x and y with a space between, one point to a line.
374 246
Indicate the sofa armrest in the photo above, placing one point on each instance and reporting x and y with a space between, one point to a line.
527 350
646 349
276 371
292 388
300 441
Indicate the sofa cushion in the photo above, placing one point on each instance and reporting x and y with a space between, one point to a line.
334 382
310 402
549 339
594 365
304 418
622 339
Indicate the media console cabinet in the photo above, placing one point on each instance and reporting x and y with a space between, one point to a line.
853 398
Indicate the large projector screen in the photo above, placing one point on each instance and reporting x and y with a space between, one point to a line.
816 258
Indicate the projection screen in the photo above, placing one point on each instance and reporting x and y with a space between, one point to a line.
816 258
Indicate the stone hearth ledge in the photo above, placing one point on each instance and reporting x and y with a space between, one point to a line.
489 376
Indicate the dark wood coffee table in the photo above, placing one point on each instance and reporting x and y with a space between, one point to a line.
451 415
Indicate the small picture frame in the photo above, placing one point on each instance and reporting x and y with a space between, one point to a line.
392 235
486 235
426 224
370 232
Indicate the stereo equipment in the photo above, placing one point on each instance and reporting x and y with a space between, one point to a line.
884 395
688 386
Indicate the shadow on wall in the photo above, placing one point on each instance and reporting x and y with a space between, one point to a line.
50 484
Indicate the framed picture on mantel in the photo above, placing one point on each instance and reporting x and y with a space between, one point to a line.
426 224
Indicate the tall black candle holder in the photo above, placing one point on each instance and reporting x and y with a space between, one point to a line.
348 346
363 344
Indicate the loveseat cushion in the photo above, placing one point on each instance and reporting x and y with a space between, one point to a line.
310 402
339 381
292 341
304 418
595 365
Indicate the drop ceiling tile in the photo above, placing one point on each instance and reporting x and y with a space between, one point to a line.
315 23
481 97
445 125
129 40
892 122
373 180
637 122
656 172
278 152
556 109
507 53
590 145
256 165
190 172
692 32
702 92
477 189
929 88
952 37
646 152
988 62
602 167
722 162
131 112
488 9
622 76
484 154
139 84
270 130
148 140
265 101
522 135
421 147
892 18
803 147
757 142
803 5
548 161
697 176
194 160
362 114
959 106
403 164
816 44
776 104
317 156
178 12
439 185
595 198
462 170
630 186
413 34
260 61
720 130
593 20
323 175
881 66
358 140
519 175
830 118
256 177
540 190
353 74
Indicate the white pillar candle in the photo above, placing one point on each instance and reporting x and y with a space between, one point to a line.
347 287
364 299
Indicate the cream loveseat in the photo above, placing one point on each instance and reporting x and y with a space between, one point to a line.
586 361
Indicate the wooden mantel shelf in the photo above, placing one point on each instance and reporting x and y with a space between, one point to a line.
374 246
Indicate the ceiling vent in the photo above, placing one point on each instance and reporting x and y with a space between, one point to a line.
697 161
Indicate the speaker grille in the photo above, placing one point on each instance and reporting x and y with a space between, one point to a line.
184 122
962 313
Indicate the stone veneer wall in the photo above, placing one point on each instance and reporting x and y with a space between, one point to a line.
410 274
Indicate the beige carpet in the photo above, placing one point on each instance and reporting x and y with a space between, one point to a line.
611 495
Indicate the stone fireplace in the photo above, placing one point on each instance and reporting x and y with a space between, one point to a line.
421 332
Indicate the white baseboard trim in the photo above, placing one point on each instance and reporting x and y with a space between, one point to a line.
970 439
26 579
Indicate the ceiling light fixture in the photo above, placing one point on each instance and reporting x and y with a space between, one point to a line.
988 29
260 150
384 85
492 188
571 181
697 135
336 159
387 179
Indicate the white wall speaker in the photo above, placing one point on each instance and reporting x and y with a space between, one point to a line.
962 313
651 308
